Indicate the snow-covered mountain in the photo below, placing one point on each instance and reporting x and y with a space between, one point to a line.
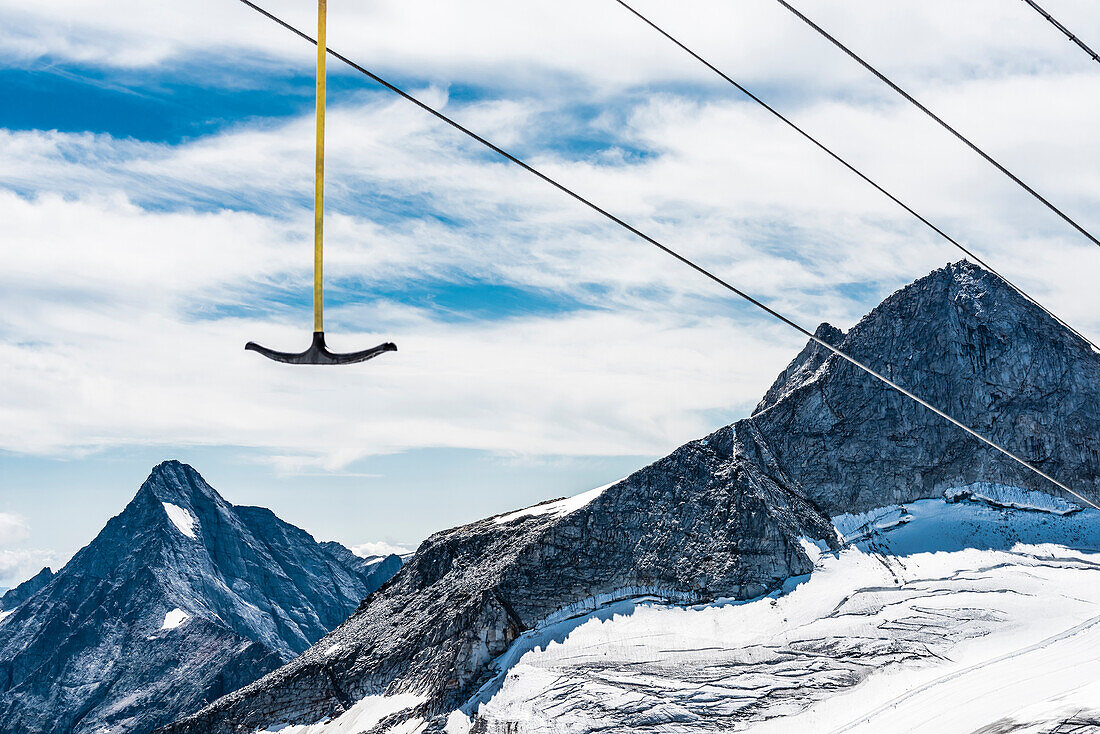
180 599
833 472
937 618
944 618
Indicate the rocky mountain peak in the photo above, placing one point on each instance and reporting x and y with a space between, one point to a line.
970 307
958 299
178 483
181 598
727 516
803 366
961 279
967 342
178 503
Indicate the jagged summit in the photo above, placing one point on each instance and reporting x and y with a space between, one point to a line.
977 309
181 598
802 366
181 485
14 597
724 516
966 341
971 305
174 480
957 294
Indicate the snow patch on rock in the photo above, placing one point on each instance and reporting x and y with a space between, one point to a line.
459 723
813 548
1015 498
412 726
181 518
174 619
558 508
360 717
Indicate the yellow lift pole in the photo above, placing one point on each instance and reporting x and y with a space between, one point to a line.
318 352
319 176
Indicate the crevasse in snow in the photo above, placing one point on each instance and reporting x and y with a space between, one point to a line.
922 628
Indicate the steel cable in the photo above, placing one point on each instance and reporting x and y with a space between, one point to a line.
1051 19
669 251
838 158
989 159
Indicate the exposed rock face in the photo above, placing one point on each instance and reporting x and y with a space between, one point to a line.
14 597
963 340
803 367
722 516
181 599
700 524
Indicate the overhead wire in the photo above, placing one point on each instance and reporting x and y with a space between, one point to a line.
844 162
1054 22
669 251
939 120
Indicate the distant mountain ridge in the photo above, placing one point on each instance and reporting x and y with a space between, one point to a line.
16 596
182 598
726 516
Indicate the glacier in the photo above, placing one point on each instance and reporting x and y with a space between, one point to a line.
965 616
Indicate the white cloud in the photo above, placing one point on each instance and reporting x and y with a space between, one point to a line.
13 529
583 384
379 548
598 42
17 562
118 255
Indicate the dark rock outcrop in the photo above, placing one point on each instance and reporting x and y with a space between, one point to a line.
14 597
181 599
803 367
965 341
722 516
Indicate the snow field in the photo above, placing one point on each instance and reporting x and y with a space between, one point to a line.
947 617
978 610
558 508
360 717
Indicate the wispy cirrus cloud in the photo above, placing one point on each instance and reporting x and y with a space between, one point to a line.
133 271
598 42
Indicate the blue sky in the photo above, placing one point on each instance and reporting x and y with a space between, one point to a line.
155 166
